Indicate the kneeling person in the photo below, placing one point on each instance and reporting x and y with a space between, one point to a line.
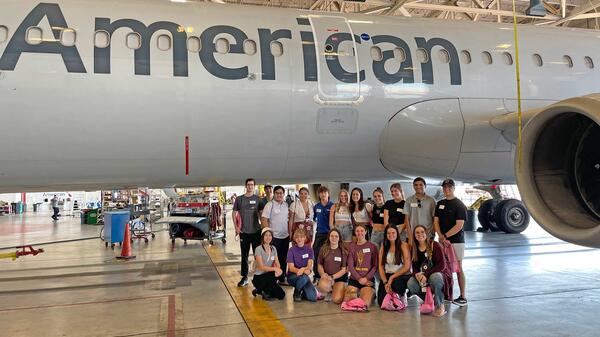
362 265
267 269
332 267
394 265
300 260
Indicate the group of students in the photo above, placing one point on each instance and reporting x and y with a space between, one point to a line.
352 246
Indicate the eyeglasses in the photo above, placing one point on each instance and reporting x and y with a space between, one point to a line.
418 203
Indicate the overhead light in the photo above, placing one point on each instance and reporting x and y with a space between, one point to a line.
179 1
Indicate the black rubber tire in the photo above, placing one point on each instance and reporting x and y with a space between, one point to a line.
512 216
486 215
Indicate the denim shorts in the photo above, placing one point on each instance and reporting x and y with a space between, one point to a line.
346 231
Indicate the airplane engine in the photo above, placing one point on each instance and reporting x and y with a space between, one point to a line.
559 176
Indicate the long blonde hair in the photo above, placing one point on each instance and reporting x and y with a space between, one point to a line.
339 203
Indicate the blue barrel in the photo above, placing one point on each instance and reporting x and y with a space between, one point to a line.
114 226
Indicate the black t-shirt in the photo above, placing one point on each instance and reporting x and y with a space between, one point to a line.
262 203
449 211
396 217
378 214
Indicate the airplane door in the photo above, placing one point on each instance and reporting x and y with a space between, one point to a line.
338 74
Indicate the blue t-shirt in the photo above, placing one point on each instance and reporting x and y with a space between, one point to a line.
299 256
322 217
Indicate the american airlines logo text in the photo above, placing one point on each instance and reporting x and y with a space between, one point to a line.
102 56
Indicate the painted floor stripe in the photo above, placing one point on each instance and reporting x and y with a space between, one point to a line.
259 317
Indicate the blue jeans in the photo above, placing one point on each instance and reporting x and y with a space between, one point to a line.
436 283
303 283
377 239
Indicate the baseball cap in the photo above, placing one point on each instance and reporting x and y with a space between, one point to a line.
448 182
266 229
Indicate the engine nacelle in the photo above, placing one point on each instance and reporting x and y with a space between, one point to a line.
559 176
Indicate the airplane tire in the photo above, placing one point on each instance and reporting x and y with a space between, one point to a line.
511 216
486 215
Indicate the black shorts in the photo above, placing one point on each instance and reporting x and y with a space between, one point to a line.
343 278
356 284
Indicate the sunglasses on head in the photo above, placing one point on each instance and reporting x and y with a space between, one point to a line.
418 203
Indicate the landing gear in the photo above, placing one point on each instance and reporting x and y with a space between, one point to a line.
509 216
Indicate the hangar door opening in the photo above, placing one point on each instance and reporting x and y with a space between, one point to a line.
338 73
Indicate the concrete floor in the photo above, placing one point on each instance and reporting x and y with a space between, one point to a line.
518 285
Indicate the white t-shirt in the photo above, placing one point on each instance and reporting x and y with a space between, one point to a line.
277 213
299 213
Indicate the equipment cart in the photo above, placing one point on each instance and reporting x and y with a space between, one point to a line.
211 226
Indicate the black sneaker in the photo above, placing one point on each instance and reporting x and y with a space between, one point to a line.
243 282
267 297
460 301
254 292
297 296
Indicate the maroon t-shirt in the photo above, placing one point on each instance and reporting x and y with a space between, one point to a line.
334 261
362 261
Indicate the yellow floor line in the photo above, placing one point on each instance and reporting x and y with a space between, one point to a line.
259 317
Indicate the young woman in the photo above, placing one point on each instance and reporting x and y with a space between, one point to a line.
362 265
360 210
394 265
332 263
301 216
339 216
267 269
300 260
394 210
378 218
428 263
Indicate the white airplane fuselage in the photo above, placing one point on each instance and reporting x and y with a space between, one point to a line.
90 117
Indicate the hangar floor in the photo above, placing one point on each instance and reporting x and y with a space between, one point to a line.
518 285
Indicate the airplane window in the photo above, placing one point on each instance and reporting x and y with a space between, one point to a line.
68 37
376 53
34 35
222 46
465 56
249 47
3 33
101 39
588 62
164 42
133 41
568 61
537 59
422 55
508 59
276 48
486 57
399 54
193 44
444 56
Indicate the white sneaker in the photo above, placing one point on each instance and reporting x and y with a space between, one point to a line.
417 299
328 297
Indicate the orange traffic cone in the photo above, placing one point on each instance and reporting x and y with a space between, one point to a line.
126 250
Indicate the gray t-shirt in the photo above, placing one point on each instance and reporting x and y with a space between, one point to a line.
248 208
268 260
420 215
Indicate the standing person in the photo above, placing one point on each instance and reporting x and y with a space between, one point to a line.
362 265
419 209
428 264
361 211
275 216
268 197
378 218
301 216
300 259
332 264
394 266
450 217
321 216
267 269
246 208
339 216
54 203
393 213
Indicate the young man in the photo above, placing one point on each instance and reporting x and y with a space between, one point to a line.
450 217
419 209
321 217
246 209
268 197
54 202
275 216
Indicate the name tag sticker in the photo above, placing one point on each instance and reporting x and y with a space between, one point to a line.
252 202
399 210
442 206
318 210
305 256
337 259
414 204
277 211
381 215
367 250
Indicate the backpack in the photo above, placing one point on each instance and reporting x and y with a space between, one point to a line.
356 305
